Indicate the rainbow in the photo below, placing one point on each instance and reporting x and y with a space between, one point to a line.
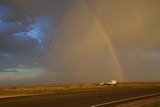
108 41
115 57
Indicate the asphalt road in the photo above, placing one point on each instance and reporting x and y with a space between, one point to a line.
83 99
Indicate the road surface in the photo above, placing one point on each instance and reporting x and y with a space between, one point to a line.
83 99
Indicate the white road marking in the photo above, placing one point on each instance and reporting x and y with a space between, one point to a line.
117 101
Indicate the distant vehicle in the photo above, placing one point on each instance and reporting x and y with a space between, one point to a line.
112 82
102 83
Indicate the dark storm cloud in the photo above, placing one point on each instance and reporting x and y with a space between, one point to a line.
14 19
27 28
19 44
25 8
20 16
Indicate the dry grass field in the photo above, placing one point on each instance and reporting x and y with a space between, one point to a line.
69 88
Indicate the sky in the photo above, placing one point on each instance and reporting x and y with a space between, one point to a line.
78 41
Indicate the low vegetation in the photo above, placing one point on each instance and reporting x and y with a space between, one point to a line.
69 88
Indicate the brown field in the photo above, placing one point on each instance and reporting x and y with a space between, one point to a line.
69 88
